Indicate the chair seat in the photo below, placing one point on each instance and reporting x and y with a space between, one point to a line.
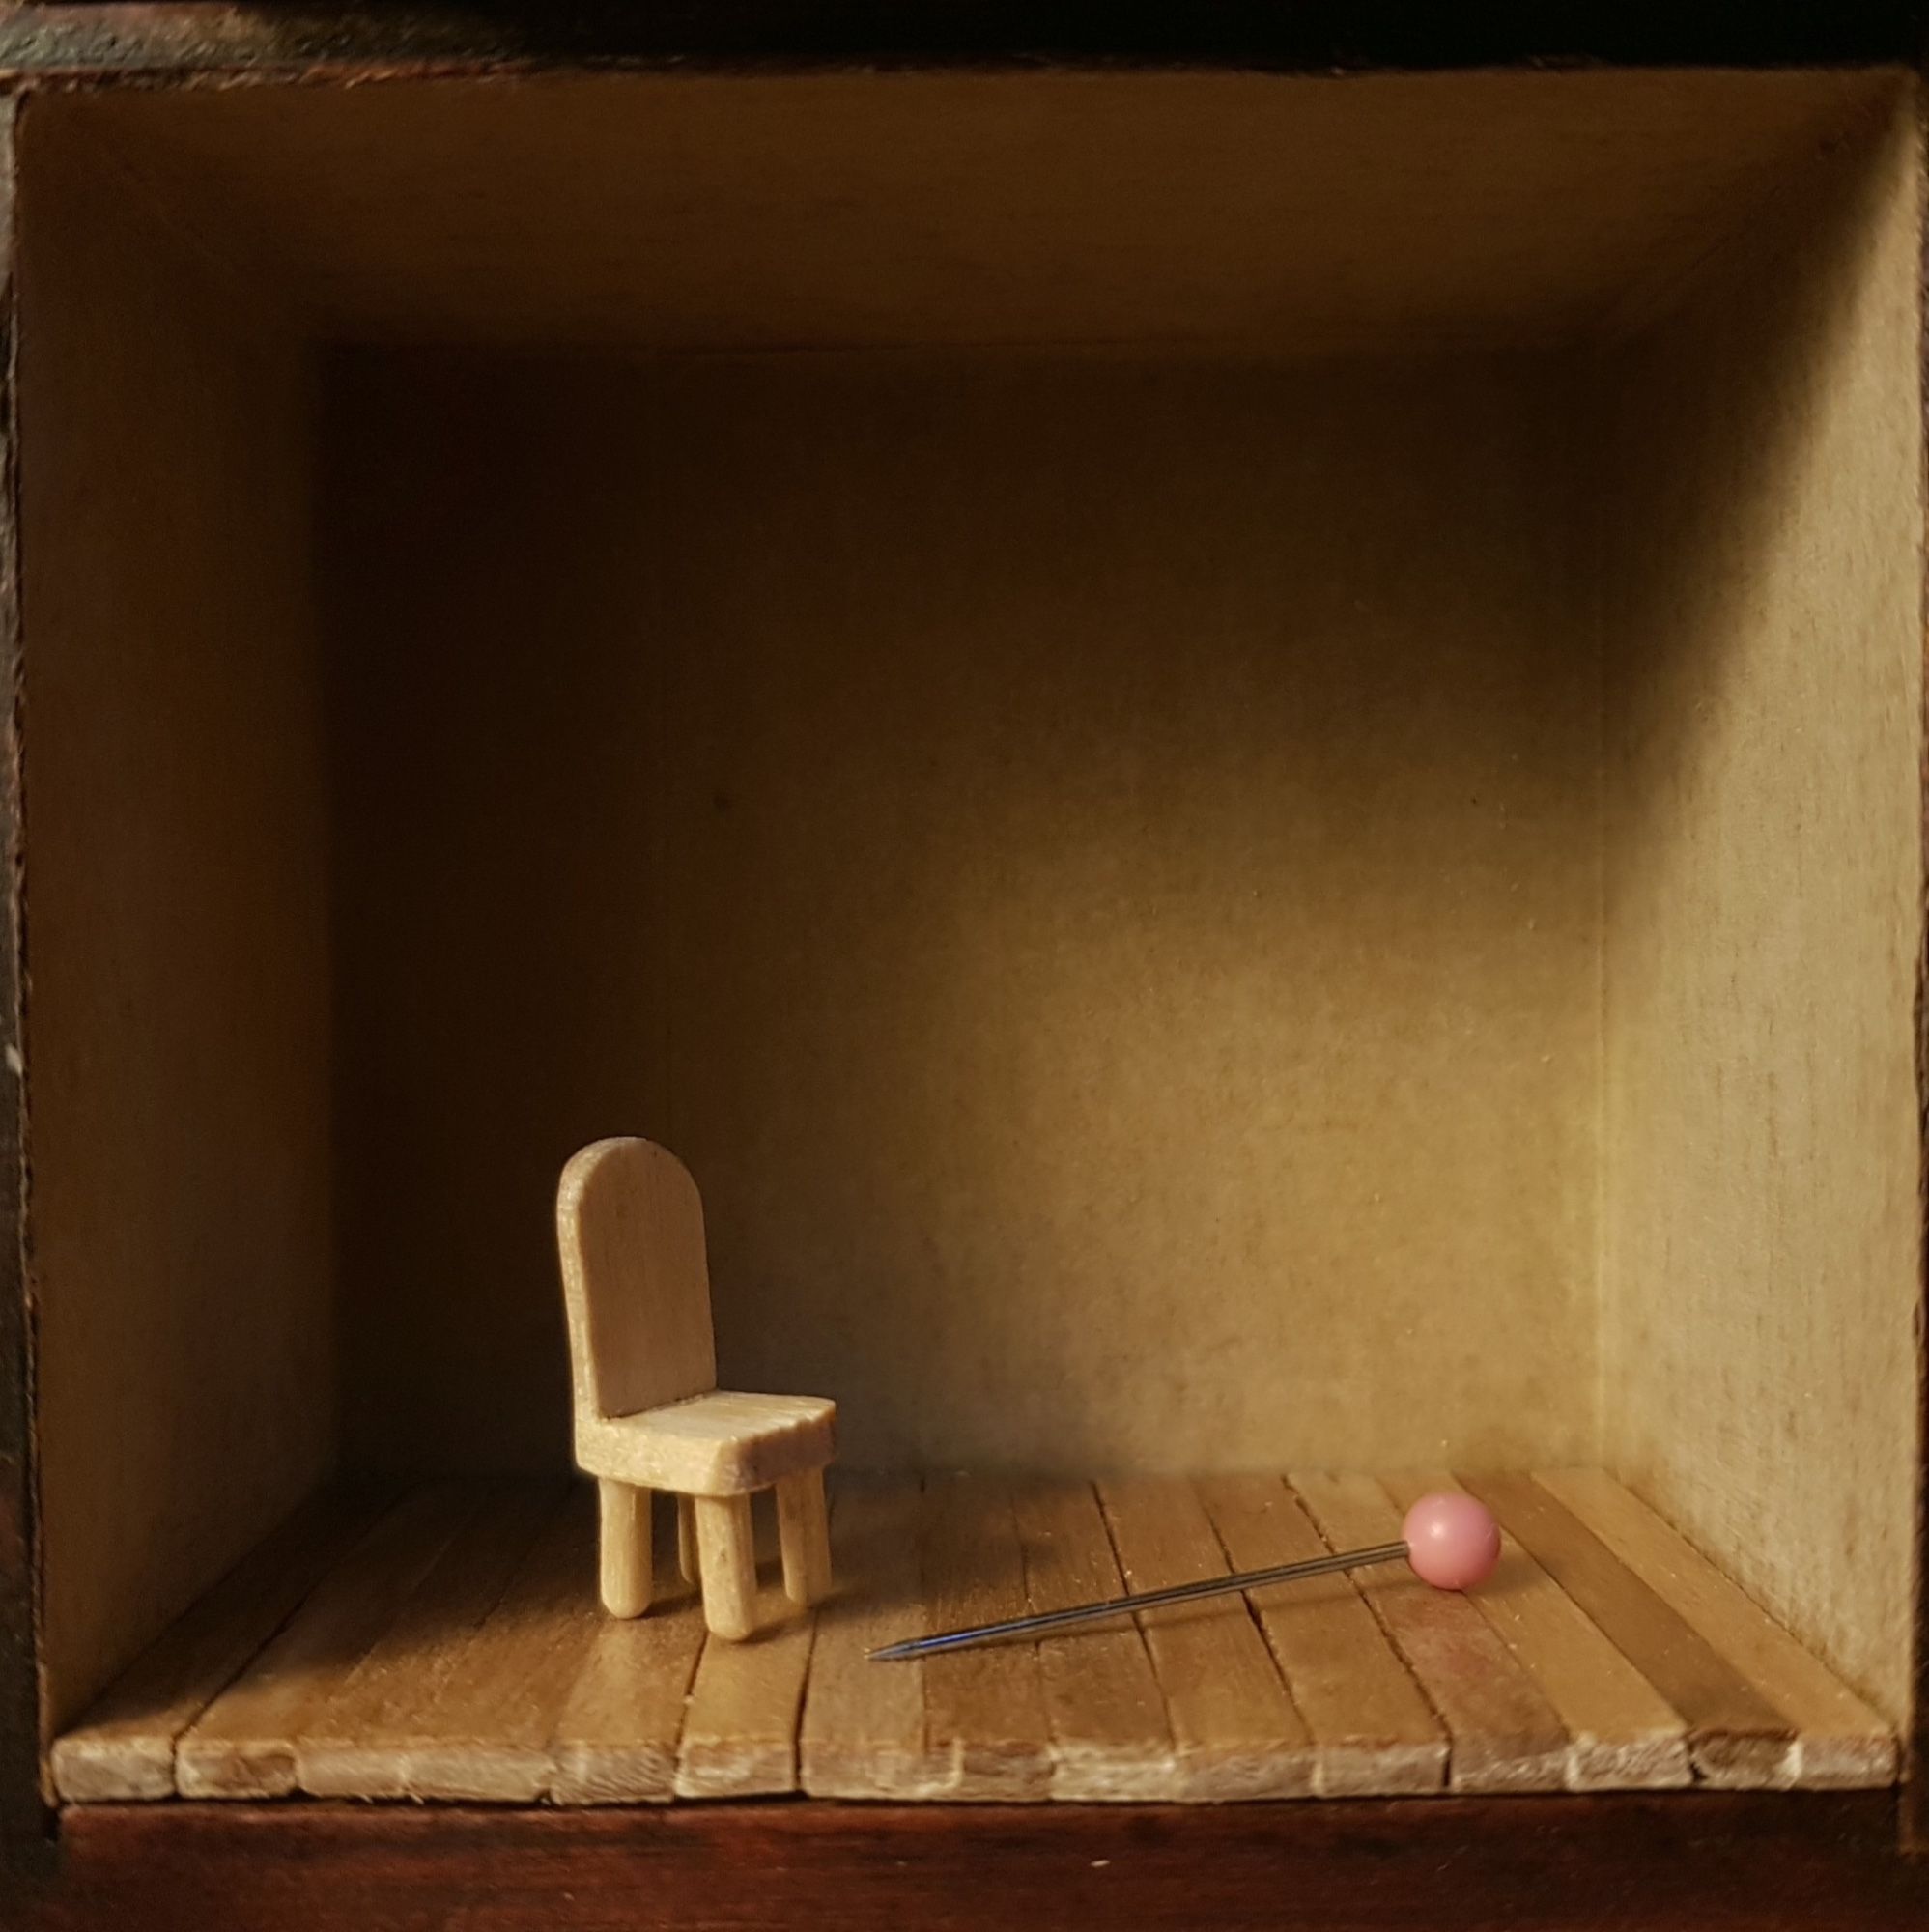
719 1444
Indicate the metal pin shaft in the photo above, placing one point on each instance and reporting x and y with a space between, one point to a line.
1149 1600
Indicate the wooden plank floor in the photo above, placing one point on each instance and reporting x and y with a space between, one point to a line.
445 1643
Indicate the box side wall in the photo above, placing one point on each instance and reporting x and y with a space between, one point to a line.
178 912
1091 859
1762 1229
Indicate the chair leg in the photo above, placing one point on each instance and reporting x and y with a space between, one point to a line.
804 1530
686 1539
727 1560
625 1539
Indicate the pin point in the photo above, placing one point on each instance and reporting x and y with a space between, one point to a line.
1449 1540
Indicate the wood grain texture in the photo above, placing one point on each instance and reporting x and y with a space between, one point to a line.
454 1649
804 1532
727 1565
63 40
686 1539
1839 1740
1626 1735
1760 464
1503 1733
635 1283
242 1745
1234 1730
625 1559
721 1443
125 1745
1111 1739
1713 1863
985 1710
1371 1729
485 1731
179 1033
741 1723
616 1737
22 1770
862 1733
368 1728
643 1378
1738 1737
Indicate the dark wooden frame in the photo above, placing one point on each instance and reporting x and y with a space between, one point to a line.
196 37
1657 1863
20 1808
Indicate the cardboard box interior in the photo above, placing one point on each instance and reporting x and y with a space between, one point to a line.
1237 758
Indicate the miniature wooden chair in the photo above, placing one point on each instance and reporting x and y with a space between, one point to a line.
648 1412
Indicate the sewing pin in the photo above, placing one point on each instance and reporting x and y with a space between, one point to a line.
1449 1539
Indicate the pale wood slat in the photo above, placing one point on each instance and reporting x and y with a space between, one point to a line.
486 1734
739 1726
863 1731
359 1738
1738 1739
1626 1735
452 1647
1840 1742
1374 1733
244 1744
984 1709
1234 1727
125 1748
1110 1736
616 1737
1504 1734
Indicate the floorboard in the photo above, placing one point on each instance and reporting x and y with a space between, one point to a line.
445 1642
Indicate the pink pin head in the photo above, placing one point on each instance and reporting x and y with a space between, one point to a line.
1452 1542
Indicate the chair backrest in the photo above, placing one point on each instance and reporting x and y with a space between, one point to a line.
630 1233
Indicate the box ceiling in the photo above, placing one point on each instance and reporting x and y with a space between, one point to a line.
691 212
